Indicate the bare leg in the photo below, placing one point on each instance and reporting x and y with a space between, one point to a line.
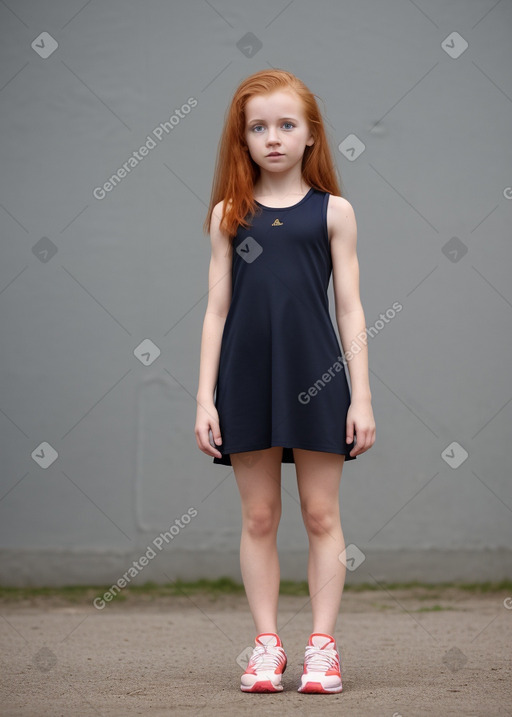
258 475
318 480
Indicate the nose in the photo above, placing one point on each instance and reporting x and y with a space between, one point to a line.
272 137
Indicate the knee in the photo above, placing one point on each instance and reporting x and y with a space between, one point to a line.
262 520
320 519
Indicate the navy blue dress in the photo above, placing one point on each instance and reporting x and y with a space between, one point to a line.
281 379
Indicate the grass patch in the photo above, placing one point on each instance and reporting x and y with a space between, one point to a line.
70 593
477 588
225 585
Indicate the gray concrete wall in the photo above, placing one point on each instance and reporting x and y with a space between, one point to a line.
102 294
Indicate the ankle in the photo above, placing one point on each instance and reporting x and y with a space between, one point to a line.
267 632
329 633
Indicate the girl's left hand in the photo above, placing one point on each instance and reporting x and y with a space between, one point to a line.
360 421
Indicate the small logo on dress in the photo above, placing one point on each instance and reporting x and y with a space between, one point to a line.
277 223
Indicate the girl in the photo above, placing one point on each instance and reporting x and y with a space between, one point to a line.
278 227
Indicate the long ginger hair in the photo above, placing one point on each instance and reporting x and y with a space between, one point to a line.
235 170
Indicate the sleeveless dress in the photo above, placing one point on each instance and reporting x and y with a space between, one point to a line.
281 378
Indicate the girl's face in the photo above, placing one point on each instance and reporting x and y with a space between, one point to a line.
276 123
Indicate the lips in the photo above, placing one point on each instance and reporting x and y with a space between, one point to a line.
275 154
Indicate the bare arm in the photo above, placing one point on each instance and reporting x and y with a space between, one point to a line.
351 320
219 298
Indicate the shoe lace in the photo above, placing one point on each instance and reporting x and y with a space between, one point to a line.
319 659
266 657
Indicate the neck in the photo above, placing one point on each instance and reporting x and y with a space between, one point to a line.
279 186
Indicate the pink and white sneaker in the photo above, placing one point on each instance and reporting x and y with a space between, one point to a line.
322 669
266 665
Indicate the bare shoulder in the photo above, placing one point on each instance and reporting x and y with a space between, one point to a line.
218 237
341 219
217 214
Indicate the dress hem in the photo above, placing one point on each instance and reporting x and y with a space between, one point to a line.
226 460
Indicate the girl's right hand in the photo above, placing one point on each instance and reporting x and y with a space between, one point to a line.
207 418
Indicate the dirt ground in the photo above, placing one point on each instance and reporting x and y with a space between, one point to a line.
403 653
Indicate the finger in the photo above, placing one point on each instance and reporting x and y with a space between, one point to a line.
213 436
202 437
214 441
210 450
213 452
363 442
203 442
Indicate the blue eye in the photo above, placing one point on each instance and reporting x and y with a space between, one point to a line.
253 129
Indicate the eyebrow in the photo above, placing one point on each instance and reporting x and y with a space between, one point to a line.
295 119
